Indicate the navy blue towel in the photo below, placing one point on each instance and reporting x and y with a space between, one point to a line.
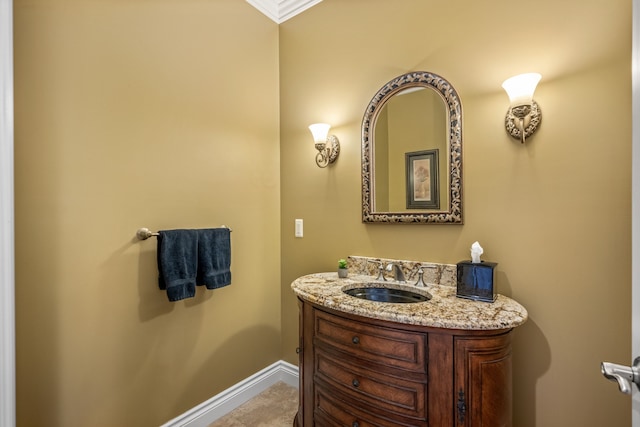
214 257
187 258
178 263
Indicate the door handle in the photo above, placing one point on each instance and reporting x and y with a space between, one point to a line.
624 375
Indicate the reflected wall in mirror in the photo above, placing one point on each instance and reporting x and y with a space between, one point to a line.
412 152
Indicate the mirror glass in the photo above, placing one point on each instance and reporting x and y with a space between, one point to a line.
412 152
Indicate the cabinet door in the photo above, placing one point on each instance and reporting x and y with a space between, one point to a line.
297 421
304 417
483 381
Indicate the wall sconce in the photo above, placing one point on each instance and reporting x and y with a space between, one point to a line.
327 145
523 116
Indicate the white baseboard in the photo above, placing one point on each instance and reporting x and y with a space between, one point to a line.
226 401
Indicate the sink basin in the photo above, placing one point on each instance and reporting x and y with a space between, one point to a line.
387 295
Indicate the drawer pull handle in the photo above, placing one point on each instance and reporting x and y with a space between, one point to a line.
355 340
355 383
355 424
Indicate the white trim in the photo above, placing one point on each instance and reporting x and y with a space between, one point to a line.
7 272
635 204
290 8
226 401
281 10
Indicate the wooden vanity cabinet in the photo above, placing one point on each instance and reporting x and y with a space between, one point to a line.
361 372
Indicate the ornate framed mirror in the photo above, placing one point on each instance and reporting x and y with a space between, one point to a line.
412 152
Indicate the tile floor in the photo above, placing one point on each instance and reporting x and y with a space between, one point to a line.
274 407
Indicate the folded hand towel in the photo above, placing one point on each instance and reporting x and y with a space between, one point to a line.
178 263
214 257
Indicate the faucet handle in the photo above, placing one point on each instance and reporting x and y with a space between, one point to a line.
380 269
381 272
420 283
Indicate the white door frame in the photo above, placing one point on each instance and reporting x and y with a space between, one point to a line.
635 202
7 264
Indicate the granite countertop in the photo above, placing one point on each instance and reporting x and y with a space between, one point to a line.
443 310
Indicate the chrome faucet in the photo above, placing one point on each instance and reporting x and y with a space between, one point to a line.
398 274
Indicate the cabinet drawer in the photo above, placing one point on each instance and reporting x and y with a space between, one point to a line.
405 350
394 395
331 411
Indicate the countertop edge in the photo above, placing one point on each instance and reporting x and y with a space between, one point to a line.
444 310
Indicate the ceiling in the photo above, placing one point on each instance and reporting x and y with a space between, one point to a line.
281 10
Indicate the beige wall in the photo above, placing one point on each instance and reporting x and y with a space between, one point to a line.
165 115
555 213
131 114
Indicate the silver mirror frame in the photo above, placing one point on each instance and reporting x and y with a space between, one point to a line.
414 79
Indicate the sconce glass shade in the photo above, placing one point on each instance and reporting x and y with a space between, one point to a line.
523 116
320 132
327 145
520 88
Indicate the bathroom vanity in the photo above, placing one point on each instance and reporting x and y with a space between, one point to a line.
441 362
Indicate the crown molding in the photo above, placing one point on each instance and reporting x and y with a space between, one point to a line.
281 10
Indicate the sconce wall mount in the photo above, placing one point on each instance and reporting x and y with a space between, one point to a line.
328 146
524 115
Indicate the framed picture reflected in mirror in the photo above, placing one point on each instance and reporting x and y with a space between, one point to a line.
421 169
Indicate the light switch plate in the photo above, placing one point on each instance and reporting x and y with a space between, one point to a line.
299 228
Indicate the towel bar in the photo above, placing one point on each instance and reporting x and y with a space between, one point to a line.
144 233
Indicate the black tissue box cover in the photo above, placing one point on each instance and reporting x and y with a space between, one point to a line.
477 281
